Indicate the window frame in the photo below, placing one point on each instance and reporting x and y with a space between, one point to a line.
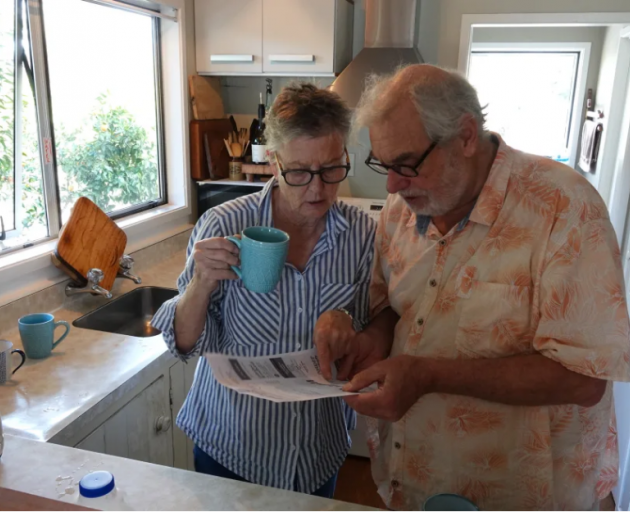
40 79
29 270
578 106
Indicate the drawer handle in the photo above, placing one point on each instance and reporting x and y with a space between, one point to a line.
292 58
162 424
231 58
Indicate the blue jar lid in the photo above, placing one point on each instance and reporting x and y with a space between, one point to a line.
97 484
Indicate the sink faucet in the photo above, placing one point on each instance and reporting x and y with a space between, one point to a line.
94 277
124 270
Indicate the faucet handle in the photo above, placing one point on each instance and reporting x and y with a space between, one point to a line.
95 276
126 262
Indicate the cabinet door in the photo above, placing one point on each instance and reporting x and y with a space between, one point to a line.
228 36
298 36
141 430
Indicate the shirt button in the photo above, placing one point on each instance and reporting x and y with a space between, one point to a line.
298 277
299 345
442 242
299 310
397 446
433 283
395 484
420 321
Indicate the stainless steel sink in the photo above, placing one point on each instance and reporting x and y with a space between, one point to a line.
129 314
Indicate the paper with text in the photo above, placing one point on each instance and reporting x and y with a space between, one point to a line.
291 377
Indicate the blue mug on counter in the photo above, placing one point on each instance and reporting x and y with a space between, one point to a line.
263 255
448 502
38 334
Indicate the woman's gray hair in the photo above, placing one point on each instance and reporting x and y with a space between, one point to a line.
304 110
441 103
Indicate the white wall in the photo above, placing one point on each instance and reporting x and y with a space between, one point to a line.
449 19
610 99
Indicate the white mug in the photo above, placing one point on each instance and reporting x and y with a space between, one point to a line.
6 360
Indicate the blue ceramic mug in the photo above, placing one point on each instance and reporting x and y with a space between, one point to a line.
38 334
448 502
263 255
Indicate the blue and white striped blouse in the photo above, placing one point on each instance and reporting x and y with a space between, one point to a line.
296 446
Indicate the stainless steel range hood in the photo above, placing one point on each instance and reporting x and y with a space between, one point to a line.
390 29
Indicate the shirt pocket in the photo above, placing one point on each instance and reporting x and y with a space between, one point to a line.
251 320
495 321
337 295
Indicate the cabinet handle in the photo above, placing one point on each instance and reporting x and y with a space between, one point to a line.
162 424
231 58
292 58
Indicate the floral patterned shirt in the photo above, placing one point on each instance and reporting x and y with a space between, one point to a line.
535 268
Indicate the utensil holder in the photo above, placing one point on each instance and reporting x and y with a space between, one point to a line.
236 169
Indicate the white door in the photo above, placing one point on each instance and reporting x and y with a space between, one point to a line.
228 36
141 430
298 36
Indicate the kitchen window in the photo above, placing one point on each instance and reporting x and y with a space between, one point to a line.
80 114
534 94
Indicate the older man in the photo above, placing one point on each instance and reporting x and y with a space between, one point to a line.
497 294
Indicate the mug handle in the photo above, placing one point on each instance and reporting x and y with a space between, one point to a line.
236 241
58 324
22 355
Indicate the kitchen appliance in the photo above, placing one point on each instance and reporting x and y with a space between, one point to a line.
390 40
373 208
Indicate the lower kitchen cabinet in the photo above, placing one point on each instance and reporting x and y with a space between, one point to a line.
141 430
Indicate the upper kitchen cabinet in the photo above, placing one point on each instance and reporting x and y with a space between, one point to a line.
273 37
228 36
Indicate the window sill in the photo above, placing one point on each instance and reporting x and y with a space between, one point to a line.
31 270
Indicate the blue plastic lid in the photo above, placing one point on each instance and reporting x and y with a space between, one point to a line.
97 484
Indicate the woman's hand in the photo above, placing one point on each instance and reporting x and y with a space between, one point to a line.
213 258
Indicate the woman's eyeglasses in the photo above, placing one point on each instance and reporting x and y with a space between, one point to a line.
301 177
408 171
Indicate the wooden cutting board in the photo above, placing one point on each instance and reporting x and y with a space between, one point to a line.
90 239
16 500
214 163
205 96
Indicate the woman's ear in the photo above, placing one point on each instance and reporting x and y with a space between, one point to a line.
271 158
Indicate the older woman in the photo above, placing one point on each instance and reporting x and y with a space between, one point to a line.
296 446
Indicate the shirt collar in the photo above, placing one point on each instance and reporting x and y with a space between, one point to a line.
336 221
491 198
424 221
490 201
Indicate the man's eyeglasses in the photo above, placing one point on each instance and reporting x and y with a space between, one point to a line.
408 171
302 177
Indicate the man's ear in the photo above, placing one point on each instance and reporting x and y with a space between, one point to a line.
469 135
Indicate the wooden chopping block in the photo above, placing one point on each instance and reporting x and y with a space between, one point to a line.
257 169
217 166
90 239
205 95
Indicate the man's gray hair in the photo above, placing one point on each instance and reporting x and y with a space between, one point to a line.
304 110
441 103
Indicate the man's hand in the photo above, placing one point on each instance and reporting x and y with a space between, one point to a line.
333 338
337 342
402 380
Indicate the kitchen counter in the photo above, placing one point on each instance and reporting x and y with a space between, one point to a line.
53 471
87 372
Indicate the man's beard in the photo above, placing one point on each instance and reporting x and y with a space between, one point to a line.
444 199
